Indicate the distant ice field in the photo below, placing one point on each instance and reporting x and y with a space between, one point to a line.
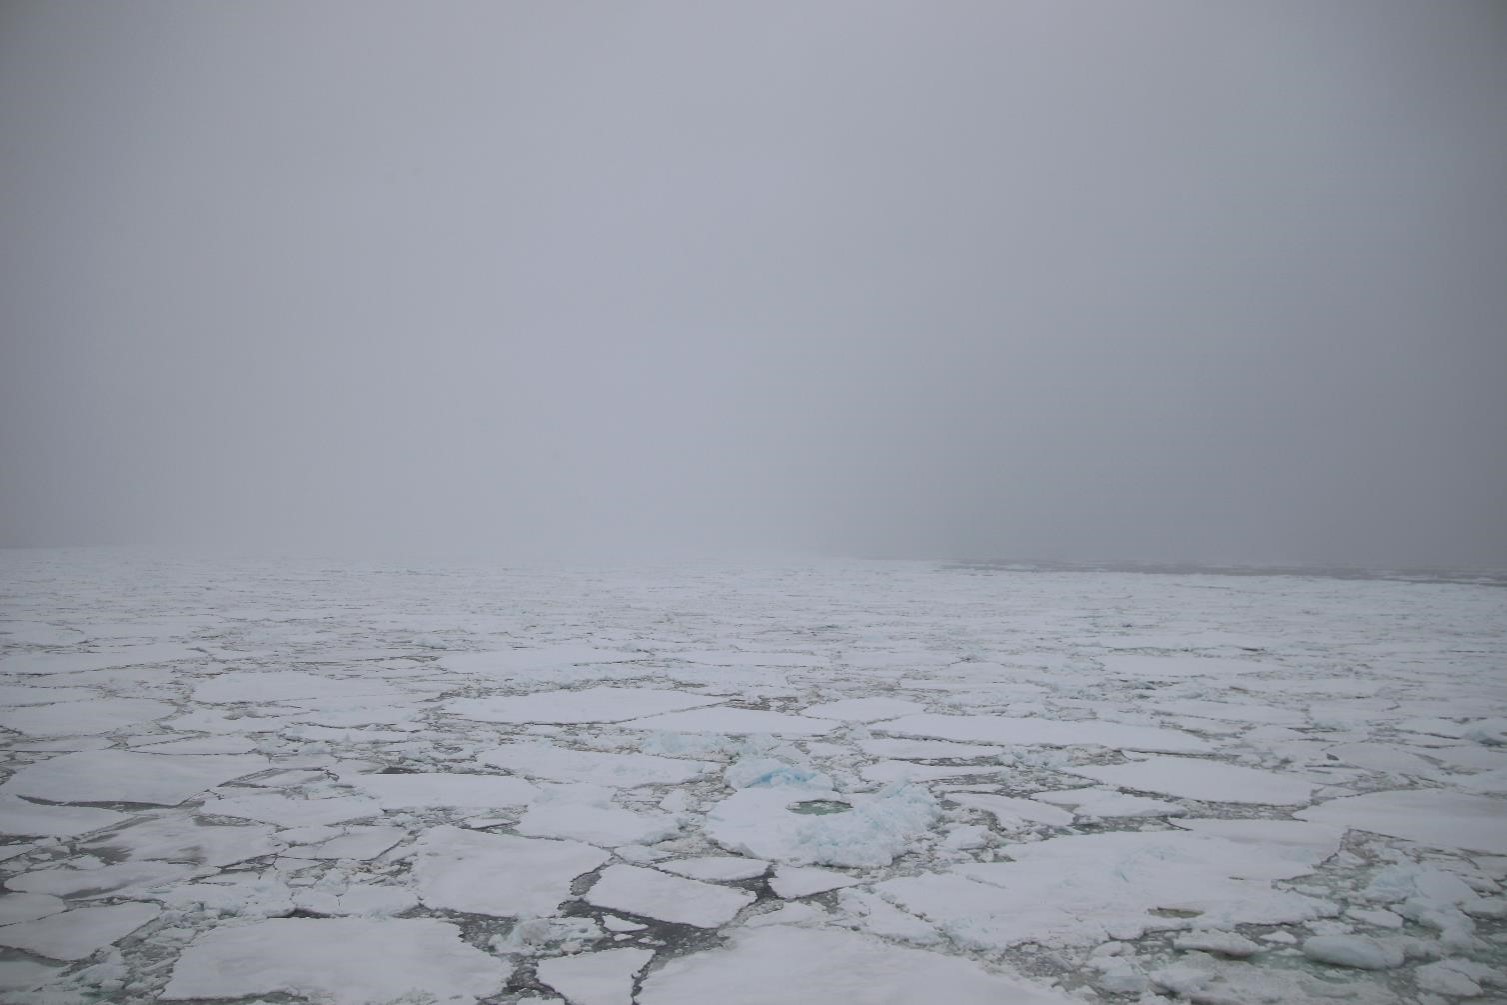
835 781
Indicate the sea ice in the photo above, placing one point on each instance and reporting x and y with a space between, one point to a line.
1435 817
863 709
587 813
734 722
563 764
716 868
18 695
597 704
792 881
18 907
776 823
779 964
119 776
288 811
498 874
1354 951
1198 778
341 961
77 934
182 840
360 844
604 978
649 893
443 790
99 715
1085 889
1106 803
61 663
1011 813
122 879
269 686
23 818
1010 730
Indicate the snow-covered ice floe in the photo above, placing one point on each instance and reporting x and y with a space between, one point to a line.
824 781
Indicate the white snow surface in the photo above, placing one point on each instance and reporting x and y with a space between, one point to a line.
973 784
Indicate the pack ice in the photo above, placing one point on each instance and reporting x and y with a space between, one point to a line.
832 781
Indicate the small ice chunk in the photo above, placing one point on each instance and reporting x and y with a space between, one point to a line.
604 978
1458 978
1212 940
613 923
77 934
341 961
1356 951
653 894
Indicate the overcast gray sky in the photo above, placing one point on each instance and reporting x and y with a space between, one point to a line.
1176 281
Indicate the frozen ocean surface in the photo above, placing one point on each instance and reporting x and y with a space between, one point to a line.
824 781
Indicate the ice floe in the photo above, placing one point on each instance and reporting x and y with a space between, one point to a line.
1012 730
555 763
342 961
1434 817
777 964
596 704
603 978
735 722
498 874
1200 778
650 893
815 826
443 790
119 776
76 934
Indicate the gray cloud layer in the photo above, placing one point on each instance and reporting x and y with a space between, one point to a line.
1220 282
